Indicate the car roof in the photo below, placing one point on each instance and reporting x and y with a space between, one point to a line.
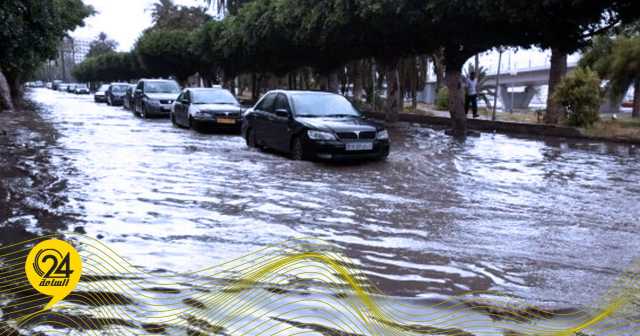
206 89
303 92
119 84
157 80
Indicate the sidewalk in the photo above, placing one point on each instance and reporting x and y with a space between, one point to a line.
619 131
530 117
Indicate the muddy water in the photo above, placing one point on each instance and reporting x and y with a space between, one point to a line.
552 222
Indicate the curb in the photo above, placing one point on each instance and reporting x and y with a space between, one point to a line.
539 130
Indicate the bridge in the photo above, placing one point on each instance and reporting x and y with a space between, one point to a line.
517 88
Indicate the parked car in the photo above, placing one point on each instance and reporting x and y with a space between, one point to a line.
207 106
314 125
71 87
115 93
101 95
63 87
81 89
127 101
155 97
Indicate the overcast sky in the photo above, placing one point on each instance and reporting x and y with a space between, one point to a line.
124 21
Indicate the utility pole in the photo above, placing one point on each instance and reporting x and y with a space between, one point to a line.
477 64
495 97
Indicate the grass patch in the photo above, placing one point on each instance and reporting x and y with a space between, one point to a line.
626 128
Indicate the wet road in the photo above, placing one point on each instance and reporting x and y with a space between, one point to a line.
552 222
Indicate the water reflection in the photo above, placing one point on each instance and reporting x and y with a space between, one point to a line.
551 221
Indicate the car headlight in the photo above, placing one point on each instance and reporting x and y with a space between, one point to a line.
382 135
197 112
320 135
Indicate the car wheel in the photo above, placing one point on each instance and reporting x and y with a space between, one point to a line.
251 138
173 120
383 157
143 112
297 151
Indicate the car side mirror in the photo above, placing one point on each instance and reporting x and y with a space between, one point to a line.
282 113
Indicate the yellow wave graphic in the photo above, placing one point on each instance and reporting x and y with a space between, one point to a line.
300 287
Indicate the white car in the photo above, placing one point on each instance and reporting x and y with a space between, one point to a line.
215 107
81 89
101 95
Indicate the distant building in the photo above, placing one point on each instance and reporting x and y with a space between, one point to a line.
80 49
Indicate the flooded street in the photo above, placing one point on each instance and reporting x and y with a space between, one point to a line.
552 222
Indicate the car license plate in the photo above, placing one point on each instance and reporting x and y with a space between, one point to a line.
226 121
360 146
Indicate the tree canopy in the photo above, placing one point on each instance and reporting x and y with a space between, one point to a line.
101 45
109 67
31 31
283 36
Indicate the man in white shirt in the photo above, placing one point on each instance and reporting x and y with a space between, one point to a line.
472 94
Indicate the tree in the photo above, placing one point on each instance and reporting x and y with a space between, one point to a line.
167 53
231 6
31 31
109 67
570 28
166 15
101 45
625 70
579 94
162 9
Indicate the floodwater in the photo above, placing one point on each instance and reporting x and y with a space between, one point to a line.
552 222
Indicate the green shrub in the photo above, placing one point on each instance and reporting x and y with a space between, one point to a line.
580 93
442 101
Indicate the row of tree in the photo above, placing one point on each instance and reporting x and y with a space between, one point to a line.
363 44
30 33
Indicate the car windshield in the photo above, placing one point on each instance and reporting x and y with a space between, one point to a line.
103 88
215 96
161 87
119 88
323 105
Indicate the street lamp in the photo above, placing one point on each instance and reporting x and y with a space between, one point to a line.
495 96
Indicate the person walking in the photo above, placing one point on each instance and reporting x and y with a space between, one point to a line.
472 94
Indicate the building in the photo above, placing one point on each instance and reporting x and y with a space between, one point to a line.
81 49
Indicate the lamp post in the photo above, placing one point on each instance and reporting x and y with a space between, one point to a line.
495 97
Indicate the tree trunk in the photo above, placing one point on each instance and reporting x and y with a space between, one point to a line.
636 99
557 71
5 93
439 68
358 82
414 97
15 87
254 87
393 105
333 84
456 99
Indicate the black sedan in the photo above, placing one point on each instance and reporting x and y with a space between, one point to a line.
314 125
115 93
214 107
